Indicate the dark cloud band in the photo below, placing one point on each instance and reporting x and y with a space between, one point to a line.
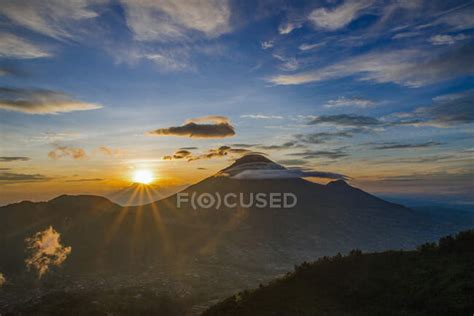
217 129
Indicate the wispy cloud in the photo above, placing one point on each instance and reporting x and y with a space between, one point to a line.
405 67
180 154
322 137
346 120
460 18
168 20
12 46
267 44
40 101
348 102
244 145
286 174
287 63
446 110
289 26
338 17
306 46
86 180
262 116
447 39
220 127
66 151
12 71
55 18
219 152
286 145
171 60
108 151
10 177
392 145
13 158
331 154
450 109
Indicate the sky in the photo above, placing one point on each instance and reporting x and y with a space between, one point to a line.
379 93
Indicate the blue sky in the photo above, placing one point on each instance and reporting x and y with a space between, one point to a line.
378 91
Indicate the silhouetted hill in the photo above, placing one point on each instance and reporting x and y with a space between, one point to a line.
434 280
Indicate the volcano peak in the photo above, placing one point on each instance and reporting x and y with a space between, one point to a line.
251 158
251 162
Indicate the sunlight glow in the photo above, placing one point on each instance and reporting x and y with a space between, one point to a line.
143 176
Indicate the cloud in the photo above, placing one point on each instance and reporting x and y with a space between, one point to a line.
287 63
446 111
410 68
219 128
209 118
172 60
391 145
262 116
86 180
409 34
463 156
459 19
40 101
11 177
338 17
245 145
188 148
108 151
55 18
322 137
288 27
167 59
66 151
168 20
12 71
12 158
221 151
45 250
279 147
180 154
12 46
331 154
305 46
345 102
257 174
451 109
447 39
267 44
346 120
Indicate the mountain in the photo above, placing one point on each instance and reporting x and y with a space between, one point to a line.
212 251
434 280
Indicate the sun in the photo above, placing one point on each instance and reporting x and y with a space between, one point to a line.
143 176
